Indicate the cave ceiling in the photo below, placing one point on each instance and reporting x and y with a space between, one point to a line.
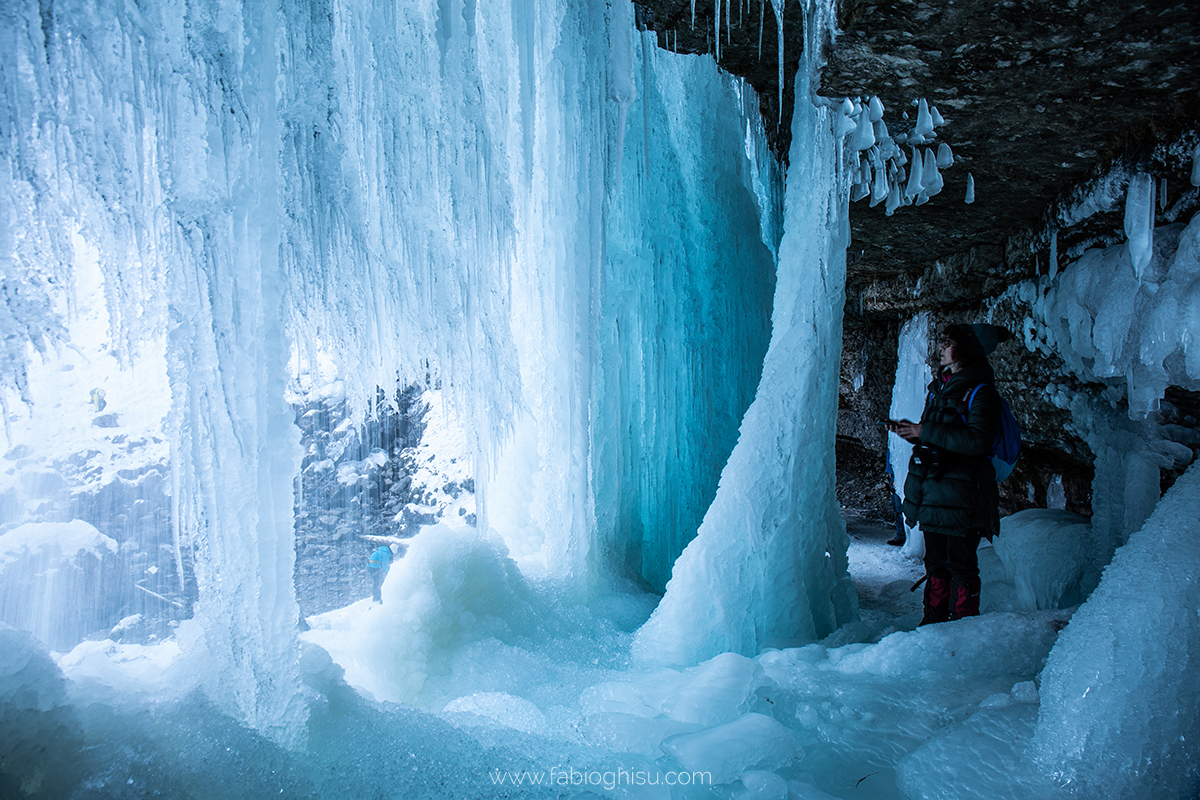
1037 98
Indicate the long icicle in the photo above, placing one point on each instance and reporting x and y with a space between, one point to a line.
777 5
717 27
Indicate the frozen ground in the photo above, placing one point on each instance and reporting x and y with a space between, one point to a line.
882 575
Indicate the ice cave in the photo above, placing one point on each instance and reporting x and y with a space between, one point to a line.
590 311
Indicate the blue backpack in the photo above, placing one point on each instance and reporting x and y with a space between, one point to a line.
1007 445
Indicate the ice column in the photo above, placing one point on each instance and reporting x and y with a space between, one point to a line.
769 560
237 447
155 135
908 401
1120 686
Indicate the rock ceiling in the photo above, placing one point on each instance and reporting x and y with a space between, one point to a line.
1036 96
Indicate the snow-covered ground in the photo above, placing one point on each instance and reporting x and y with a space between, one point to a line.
871 712
473 681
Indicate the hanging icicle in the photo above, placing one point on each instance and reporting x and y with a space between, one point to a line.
777 6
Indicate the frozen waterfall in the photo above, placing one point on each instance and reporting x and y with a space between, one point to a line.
584 242
550 223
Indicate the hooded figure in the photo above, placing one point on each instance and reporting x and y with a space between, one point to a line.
951 489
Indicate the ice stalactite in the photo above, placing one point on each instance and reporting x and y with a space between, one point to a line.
769 560
1139 221
1112 325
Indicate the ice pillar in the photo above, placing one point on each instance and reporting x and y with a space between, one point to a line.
154 134
769 560
238 448
908 401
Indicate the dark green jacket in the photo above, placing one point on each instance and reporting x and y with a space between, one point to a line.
951 483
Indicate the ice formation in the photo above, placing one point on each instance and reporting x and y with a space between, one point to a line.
1131 648
908 401
1050 557
881 173
504 196
1115 322
457 200
769 560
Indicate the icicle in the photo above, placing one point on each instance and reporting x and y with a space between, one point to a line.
931 179
864 133
1139 221
1196 166
938 121
914 186
693 14
893 198
970 198
1053 253
717 27
876 109
858 191
901 159
924 120
762 16
880 191
945 158
777 5
1162 195
845 122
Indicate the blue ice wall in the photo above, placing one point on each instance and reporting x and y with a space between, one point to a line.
685 305
465 189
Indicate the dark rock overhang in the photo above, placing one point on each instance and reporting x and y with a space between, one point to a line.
1036 96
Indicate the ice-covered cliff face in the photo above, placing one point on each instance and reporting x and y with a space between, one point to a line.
574 231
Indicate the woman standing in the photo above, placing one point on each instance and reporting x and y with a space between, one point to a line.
951 485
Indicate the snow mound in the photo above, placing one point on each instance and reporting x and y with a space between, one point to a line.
53 541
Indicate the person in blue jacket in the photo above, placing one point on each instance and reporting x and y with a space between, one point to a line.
378 565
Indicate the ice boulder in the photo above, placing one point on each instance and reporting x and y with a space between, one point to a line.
727 751
501 709
1049 557
716 691
1120 689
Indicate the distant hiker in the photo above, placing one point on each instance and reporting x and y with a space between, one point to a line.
378 565
951 485
98 401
